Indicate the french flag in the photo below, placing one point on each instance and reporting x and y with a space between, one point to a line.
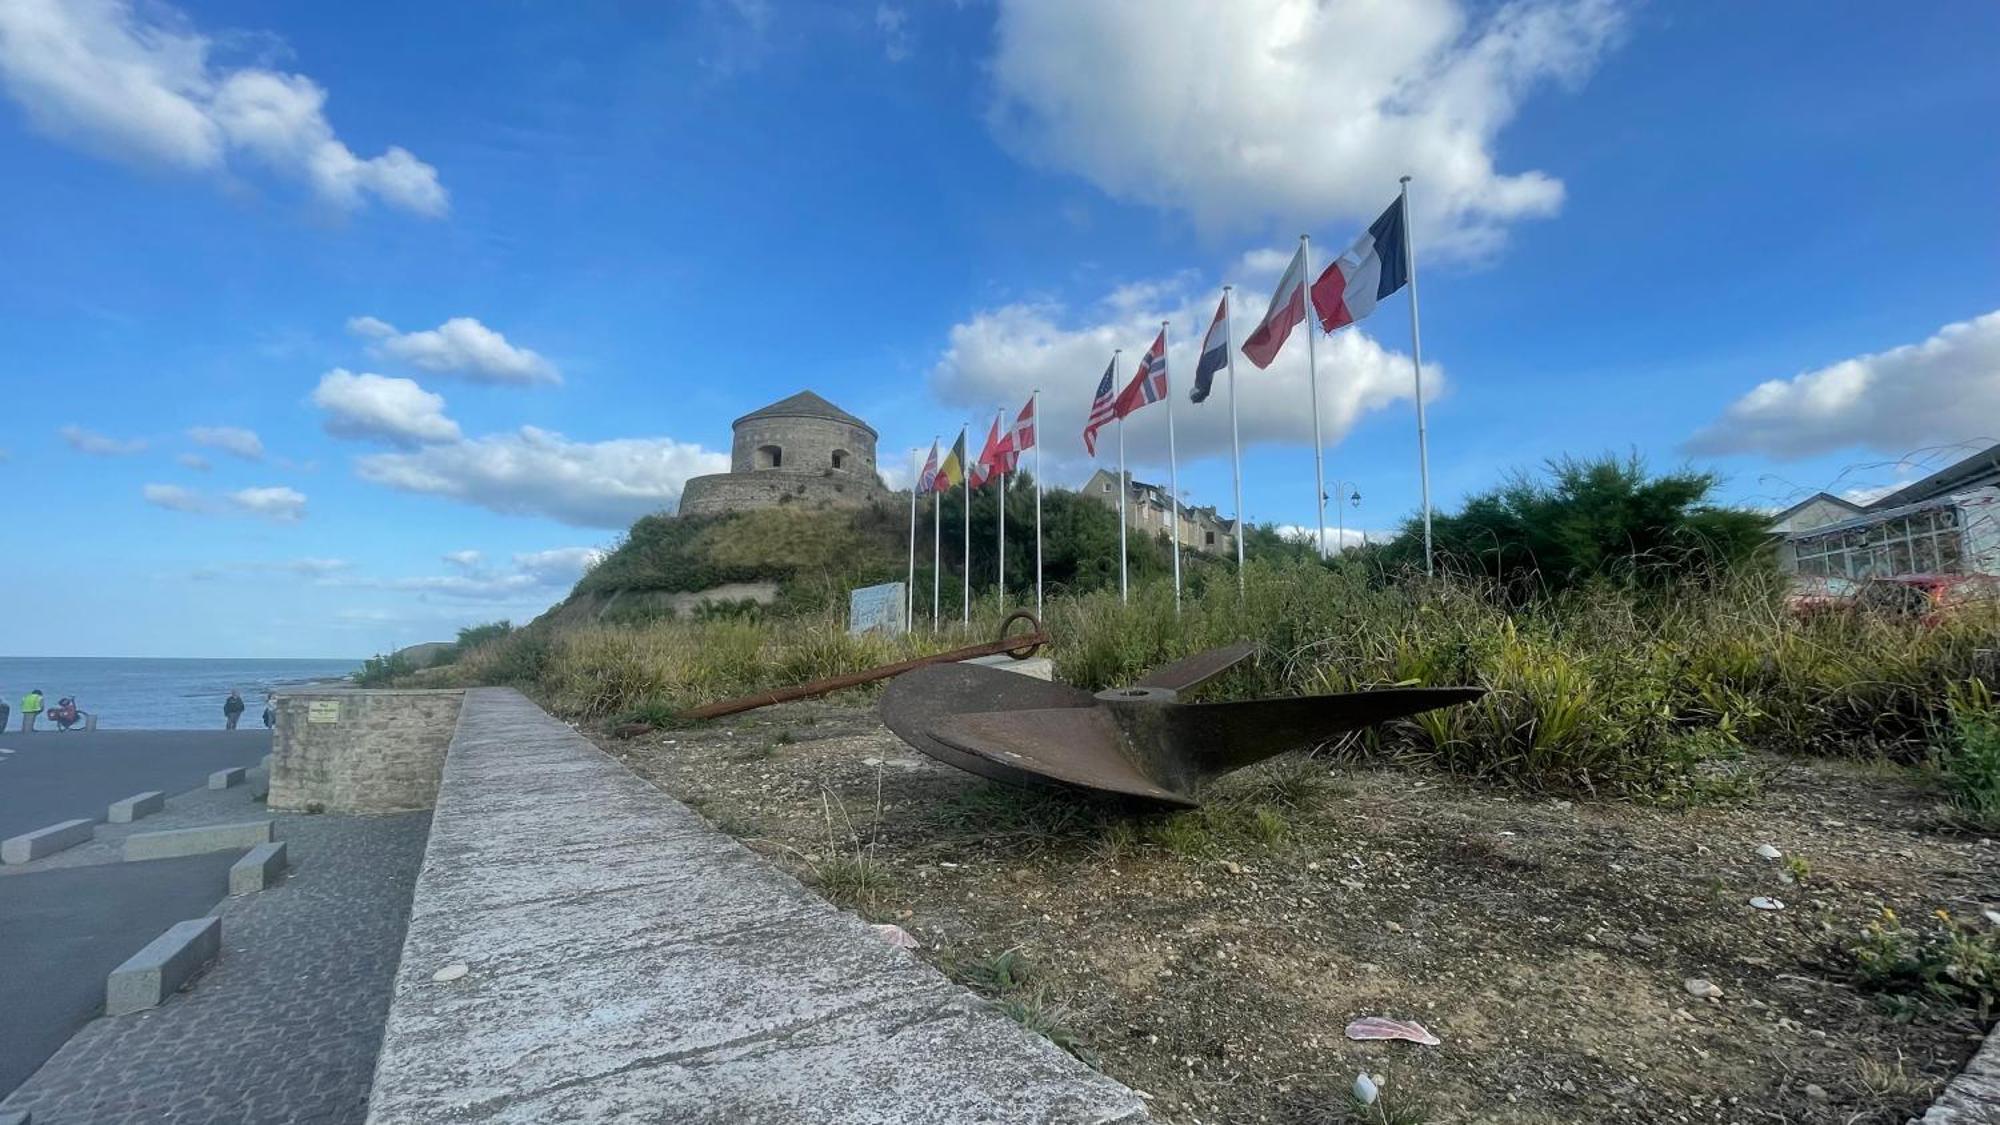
1376 265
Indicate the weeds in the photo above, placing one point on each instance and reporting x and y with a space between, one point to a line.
1051 1022
1944 965
852 881
1004 972
1971 762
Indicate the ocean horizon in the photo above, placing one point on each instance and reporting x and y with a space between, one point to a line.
157 693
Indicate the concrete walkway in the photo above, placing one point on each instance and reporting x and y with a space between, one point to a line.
624 962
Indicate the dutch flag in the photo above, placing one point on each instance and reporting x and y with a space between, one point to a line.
1376 265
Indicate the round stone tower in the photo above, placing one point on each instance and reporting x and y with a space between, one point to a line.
799 450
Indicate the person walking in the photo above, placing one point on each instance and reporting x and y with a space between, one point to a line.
232 708
31 707
270 712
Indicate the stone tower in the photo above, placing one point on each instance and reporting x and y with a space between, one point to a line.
800 450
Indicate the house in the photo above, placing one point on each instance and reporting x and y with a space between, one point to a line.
1147 507
1946 523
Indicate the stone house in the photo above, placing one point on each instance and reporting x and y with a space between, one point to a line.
1146 511
800 450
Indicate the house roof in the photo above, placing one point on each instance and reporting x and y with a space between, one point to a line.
1816 498
805 404
1980 468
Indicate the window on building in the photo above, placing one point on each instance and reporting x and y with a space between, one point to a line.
840 458
1107 486
1923 542
1208 538
770 457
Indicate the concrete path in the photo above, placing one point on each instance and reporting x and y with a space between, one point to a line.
626 963
62 931
55 776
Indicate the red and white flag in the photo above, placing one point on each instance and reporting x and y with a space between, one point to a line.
995 458
1149 383
1023 437
1288 309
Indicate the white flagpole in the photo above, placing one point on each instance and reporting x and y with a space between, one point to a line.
999 415
1122 488
910 587
1035 417
937 544
1417 364
1235 440
1173 470
1312 376
965 464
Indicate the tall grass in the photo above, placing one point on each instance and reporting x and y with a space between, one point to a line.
1599 687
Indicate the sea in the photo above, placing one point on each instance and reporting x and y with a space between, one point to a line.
144 693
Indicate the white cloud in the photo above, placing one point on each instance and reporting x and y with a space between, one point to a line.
278 504
1943 390
559 565
894 24
459 346
1295 111
174 498
464 560
194 461
378 406
303 567
536 472
535 573
99 445
137 83
1000 355
230 439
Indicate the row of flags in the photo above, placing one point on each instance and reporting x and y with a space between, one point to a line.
1374 266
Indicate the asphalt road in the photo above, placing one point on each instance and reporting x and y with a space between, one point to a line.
51 777
63 931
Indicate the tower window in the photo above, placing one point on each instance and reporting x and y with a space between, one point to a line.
840 458
770 457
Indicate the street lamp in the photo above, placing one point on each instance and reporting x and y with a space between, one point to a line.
1340 510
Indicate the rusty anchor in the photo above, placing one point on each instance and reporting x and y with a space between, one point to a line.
1137 742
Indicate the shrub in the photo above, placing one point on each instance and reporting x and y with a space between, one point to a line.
1947 964
381 670
1971 761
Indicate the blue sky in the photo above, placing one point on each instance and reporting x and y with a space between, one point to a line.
327 328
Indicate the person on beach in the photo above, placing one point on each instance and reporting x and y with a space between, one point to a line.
31 706
232 708
270 712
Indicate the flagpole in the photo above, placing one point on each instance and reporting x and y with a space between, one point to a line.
999 414
937 542
910 587
1173 469
1035 416
965 464
1312 376
1235 438
1417 365
1122 488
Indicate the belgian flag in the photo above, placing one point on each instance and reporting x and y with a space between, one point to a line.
951 474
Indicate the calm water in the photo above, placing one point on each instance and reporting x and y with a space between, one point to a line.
149 694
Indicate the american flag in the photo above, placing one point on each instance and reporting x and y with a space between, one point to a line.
1149 383
1101 412
927 480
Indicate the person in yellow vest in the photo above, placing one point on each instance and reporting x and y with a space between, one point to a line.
31 706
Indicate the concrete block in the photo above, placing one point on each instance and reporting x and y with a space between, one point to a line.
136 806
194 841
264 866
157 971
223 779
45 841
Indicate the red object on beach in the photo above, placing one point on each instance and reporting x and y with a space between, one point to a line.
1381 1027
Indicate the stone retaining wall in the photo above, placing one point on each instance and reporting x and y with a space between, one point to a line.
347 750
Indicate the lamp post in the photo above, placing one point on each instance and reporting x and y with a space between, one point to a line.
1340 510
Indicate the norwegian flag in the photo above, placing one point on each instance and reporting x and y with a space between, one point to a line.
1023 437
1101 412
1149 383
927 480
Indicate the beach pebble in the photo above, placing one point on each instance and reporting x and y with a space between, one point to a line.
1769 852
1816 1093
1365 1090
1762 903
1706 989
451 972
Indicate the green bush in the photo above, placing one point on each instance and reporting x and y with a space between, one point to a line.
382 670
1971 761
1945 965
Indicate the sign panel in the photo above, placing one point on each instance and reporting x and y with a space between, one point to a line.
323 711
877 607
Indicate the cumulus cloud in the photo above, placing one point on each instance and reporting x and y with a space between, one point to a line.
559 566
394 410
459 346
229 439
278 504
99 445
537 472
137 83
998 356
194 461
1942 390
174 498
533 573
464 560
1294 110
